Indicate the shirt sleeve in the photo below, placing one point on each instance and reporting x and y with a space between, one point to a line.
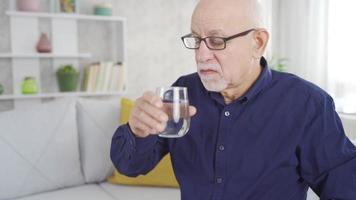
133 156
327 157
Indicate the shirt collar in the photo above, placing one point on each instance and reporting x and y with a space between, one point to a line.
261 83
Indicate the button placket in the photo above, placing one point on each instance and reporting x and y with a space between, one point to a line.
220 159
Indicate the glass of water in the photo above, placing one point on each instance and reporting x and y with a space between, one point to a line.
176 106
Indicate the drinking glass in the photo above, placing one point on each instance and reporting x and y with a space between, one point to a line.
176 106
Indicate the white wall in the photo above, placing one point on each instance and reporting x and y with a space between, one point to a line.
156 55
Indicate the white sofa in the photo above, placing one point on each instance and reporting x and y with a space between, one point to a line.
60 151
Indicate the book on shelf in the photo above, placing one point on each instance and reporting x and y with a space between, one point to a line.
103 77
106 77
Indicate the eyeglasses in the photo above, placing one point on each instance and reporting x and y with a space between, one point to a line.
212 42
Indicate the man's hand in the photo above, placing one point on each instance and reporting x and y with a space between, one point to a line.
147 116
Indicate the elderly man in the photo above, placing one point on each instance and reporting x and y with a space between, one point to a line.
256 133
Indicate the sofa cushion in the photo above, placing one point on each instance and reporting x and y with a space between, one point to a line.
97 122
39 149
85 192
138 193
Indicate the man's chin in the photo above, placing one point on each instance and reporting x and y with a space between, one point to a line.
214 86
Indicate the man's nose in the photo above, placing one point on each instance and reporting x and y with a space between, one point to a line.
203 53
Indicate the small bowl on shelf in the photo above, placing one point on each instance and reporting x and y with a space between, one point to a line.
103 9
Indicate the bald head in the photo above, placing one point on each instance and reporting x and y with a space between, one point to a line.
235 14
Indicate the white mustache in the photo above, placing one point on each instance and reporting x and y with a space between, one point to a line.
206 66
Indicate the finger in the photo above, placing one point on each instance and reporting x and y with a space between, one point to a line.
136 125
153 111
151 123
152 98
192 110
137 131
144 129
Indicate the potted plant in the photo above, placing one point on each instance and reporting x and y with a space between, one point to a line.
67 77
2 89
278 64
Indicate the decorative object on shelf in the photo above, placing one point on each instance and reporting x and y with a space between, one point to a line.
68 6
67 77
104 9
43 44
29 85
278 64
28 5
2 89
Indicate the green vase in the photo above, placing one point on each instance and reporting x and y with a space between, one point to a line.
68 82
29 86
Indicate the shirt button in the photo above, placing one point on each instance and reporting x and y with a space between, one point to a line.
227 113
219 180
221 148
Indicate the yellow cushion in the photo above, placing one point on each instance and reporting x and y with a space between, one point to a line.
126 107
161 175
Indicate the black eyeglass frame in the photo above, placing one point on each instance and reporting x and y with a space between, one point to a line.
225 39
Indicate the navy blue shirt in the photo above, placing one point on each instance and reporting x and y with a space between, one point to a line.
280 138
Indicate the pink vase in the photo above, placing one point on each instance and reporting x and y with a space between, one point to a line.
43 45
28 5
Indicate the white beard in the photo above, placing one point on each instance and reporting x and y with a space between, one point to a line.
211 82
214 85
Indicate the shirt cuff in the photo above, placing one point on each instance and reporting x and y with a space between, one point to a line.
140 145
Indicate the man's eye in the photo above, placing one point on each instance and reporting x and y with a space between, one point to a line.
216 41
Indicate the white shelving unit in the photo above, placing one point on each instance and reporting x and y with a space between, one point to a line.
59 94
25 61
44 55
64 16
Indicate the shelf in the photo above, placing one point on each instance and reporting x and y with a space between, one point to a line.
59 94
64 16
44 55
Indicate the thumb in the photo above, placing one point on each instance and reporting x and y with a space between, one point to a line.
192 111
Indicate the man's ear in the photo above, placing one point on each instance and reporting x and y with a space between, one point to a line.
260 40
